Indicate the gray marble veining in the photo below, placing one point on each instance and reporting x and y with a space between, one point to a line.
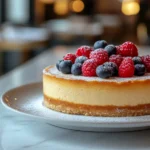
22 133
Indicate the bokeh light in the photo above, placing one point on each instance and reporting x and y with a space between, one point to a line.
130 7
61 7
77 6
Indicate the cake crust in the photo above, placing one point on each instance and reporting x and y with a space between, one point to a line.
88 110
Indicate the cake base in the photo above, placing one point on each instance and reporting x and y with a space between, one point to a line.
89 110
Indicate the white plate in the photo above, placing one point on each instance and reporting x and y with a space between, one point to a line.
27 100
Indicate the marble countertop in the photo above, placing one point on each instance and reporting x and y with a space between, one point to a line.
22 133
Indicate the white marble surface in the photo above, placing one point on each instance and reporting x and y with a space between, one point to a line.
22 133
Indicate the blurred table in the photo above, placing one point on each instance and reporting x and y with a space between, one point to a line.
22 39
74 29
22 133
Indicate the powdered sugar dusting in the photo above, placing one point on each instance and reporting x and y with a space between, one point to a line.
58 74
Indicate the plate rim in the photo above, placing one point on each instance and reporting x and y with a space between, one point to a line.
69 120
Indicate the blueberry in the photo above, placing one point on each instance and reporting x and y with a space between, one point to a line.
103 71
65 66
100 44
76 69
81 59
57 64
137 60
111 49
113 67
139 70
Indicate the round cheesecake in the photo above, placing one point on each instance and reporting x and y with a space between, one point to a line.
94 96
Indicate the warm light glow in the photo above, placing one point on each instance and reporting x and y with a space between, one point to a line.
142 33
130 7
77 6
47 1
61 7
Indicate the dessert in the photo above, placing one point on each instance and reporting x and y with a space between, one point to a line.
103 82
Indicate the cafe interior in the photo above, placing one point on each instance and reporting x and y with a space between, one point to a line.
31 27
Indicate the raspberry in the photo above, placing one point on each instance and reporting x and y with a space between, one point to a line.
146 62
70 56
99 54
89 67
126 69
128 49
117 59
84 51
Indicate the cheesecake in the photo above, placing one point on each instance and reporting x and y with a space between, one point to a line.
94 96
103 80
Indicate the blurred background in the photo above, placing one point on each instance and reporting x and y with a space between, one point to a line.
30 27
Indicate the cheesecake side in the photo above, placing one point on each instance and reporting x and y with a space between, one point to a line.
96 97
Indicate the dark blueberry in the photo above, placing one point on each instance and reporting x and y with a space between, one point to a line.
65 66
137 60
100 44
139 70
113 67
76 69
103 71
81 59
111 49
57 64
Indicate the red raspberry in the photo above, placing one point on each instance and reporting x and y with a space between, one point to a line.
70 56
126 69
99 54
128 49
146 62
84 51
89 67
117 59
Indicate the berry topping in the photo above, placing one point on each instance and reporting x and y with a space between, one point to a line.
65 66
100 44
139 69
137 60
117 59
89 67
76 69
111 49
118 49
104 71
126 69
57 64
99 54
81 59
146 62
128 49
113 66
84 51
70 56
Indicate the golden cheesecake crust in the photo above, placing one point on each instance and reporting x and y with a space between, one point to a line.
98 97
88 110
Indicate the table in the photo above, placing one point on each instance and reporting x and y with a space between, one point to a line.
22 39
74 27
22 133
